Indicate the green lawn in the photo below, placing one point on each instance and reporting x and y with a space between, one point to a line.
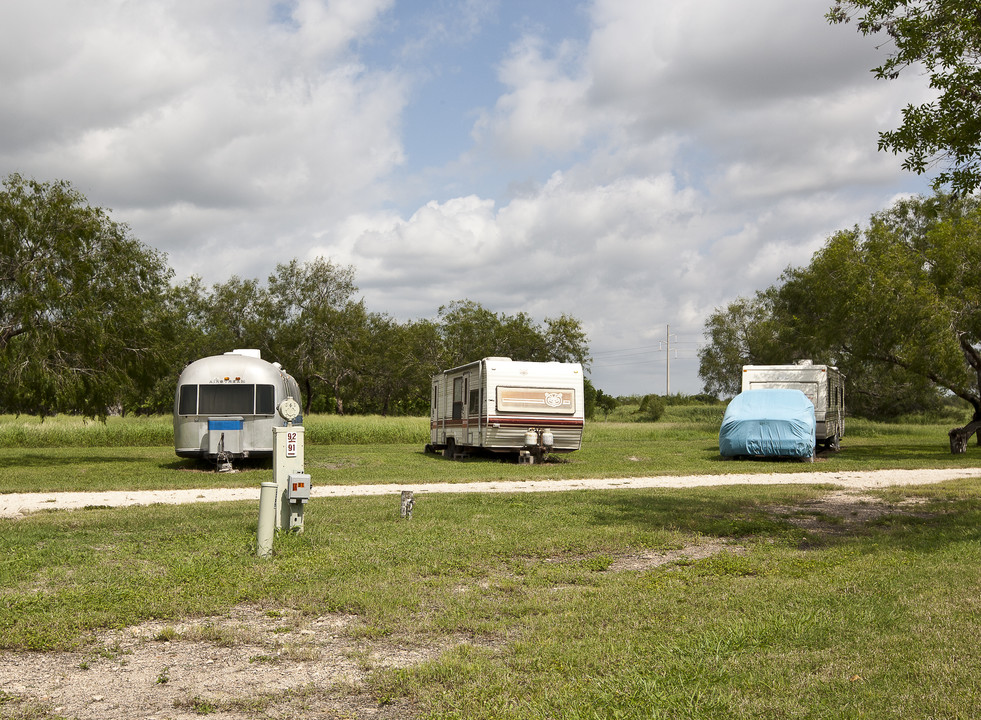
749 602
71 454
843 619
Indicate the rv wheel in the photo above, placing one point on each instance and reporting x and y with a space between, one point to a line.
449 451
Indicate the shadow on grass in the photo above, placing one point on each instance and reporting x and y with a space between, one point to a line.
38 458
809 522
195 465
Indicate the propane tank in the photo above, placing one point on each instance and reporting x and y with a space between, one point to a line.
531 437
547 439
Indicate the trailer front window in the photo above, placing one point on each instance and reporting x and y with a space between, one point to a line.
265 399
231 399
188 403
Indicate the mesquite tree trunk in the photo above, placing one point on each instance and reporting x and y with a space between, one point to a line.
959 437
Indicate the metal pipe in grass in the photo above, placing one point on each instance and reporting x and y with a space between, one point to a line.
267 519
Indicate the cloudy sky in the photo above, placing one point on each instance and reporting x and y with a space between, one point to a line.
633 163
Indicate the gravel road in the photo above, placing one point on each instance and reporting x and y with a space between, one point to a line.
19 504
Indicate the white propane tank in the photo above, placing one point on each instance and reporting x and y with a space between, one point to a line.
547 439
531 437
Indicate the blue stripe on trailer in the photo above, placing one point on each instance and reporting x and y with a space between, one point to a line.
225 424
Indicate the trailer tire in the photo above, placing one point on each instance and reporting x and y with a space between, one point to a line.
449 452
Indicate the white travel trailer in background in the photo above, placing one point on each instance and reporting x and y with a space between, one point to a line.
823 385
507 406
225 407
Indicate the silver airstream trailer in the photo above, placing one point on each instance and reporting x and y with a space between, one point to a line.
225 407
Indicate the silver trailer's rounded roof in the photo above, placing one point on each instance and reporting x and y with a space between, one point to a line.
231 367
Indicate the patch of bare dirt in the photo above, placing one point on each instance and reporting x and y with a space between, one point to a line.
250 663
840 512
686 554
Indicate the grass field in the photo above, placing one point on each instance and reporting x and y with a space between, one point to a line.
760 602
71 454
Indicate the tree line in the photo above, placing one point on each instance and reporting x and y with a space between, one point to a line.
91 321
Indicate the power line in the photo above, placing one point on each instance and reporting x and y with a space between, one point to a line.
655 348
656 361
622 357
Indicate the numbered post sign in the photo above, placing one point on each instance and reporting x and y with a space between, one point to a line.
291 444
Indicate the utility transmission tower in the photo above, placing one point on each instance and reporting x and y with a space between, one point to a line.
667 343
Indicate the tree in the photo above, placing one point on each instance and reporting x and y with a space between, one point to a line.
652 407
318 329
944 36
470 331
606 403
238 313
896 305
566 340
80 303
399 362
903 294
745 332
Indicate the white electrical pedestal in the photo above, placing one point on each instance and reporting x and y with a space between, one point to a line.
292 484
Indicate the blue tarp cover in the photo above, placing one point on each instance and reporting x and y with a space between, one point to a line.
770 423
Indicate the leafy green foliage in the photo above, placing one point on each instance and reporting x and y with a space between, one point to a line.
469 332
652 407
944 36
82 317
744 332
89 322
904 293
606 403
896 305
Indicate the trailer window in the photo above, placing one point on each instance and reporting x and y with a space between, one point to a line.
188 403
234 399
550 401
227 400
475 402
265 400
458 398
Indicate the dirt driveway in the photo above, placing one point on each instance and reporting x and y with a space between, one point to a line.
19 504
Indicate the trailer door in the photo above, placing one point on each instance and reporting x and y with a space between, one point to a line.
459 394
474 419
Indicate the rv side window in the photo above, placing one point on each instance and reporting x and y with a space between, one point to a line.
265 400
227 400
475 402
458 398
188 404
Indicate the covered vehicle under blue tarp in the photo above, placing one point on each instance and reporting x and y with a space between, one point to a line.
768 423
